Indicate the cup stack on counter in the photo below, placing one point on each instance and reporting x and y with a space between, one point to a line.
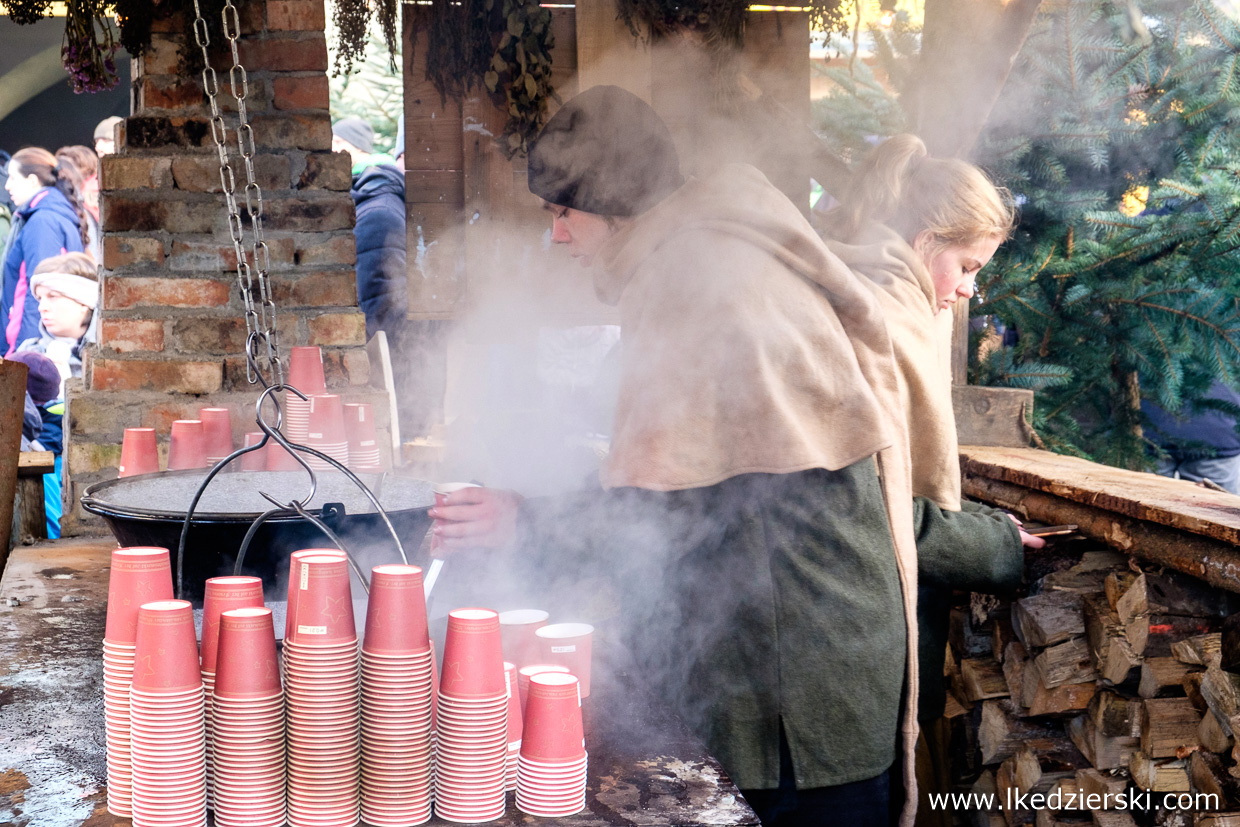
470 769
551 776
359 424
216 433
221 594
137 575
322 672
397 701
327 433
514 727
166 711
249 752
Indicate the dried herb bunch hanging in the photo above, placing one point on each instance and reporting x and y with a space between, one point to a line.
89 48
504 45
720 22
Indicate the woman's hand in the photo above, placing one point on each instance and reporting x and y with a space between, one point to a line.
475 518
1027 540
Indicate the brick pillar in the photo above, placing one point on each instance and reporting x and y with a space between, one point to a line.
172 329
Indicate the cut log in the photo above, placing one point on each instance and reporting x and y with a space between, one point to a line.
1192 690
1211 734
1114 715
1002 731
1048 618
1160 776
983 679
1210 777
1015 661
1104 752
1067 698
1126 594
1067 662
1169 724
1230 650
1001 635
1221 692
1102 818
1101 787
1064 795
1018 774
1200 650
1216 820
1162 676
1113 656
984 789
1052 818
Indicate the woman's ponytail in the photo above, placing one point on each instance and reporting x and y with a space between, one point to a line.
62 175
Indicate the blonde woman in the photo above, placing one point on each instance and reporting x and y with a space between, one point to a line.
918 230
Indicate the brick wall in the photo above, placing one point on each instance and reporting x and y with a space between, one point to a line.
171 326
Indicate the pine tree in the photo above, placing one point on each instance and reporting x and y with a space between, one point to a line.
1116 133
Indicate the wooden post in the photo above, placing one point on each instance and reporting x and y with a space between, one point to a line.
12 399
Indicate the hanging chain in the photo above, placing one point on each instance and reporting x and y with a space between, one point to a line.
260 322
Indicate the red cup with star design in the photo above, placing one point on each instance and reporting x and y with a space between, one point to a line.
221 595
247 667
166 650
323 614
473 658
138 575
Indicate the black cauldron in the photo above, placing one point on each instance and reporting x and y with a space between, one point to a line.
149 509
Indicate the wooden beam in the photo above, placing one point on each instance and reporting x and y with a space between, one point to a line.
992 416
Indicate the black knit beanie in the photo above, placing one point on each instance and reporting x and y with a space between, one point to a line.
605 152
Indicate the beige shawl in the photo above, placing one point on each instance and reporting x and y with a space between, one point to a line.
749 347
920 337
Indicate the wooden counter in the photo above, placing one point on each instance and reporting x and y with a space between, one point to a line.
645 768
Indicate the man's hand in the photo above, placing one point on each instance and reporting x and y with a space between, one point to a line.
474 518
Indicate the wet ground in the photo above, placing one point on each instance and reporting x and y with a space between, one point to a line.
646 769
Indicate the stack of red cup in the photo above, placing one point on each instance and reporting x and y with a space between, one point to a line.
139 452
526 672
321 671
216 433
187 447
166 719
569 645
359 426
255 460
514 726
221 595
138 575
305 372
327 434
551 777
249 713
470 773
397 698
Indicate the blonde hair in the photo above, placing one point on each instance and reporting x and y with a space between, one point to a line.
74 264
901 186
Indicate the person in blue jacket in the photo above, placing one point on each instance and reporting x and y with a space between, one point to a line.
49 220
379 194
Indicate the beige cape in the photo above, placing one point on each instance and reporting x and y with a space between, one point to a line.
749 347
919 337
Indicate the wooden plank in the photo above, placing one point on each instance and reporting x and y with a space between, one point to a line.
434 186
1160 500
992 416
35 463
1168 725
30 520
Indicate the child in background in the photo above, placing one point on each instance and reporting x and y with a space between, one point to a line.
67 290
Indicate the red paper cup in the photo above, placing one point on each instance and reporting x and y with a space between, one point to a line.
326 421
166 657
279 458
294 574
255 460
443 489
323 615
359 424
139 452
473 658
553 730
247 664
216 432
526 672
517 629
223 594
138 575
305 370
568 644
187 447
396 612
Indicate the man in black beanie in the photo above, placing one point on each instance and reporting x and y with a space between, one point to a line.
767 569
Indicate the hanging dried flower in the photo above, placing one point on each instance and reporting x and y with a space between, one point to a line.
89 50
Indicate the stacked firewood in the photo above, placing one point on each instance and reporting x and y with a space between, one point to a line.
1096 695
